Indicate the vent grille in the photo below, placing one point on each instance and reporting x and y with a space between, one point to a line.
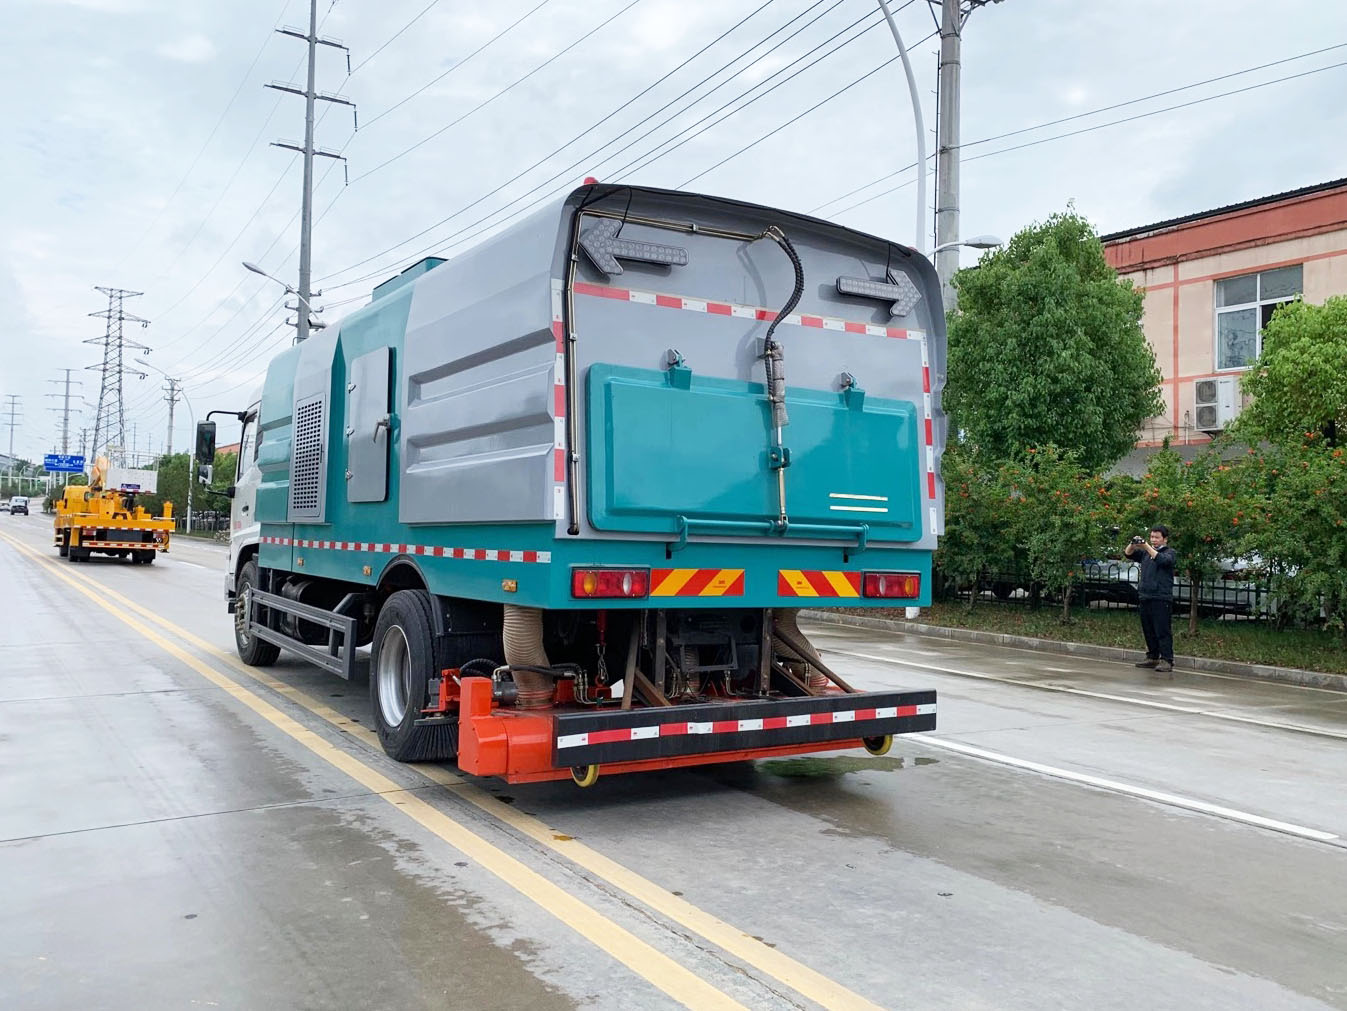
306 481
1208 418
1206 391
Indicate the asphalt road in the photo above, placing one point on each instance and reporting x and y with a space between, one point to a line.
177 830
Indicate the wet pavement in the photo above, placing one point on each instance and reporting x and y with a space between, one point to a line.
176 833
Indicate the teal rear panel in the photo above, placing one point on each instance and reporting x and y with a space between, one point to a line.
664 445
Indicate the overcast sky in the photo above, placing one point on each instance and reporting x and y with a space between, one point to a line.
138 151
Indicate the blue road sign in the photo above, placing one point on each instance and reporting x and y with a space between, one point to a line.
63 463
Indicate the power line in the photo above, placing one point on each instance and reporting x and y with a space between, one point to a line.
504 91
485 45
392 38
587 130
1092 128
453 238
1157 94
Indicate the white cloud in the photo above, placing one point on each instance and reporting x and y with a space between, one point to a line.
188 49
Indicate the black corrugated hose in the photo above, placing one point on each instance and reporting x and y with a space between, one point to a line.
772 353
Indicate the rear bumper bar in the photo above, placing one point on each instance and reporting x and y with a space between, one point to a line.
612 736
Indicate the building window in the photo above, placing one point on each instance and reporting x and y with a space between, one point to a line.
1244 305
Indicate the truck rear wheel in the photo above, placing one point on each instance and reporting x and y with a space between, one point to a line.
253 651
402 663
64 549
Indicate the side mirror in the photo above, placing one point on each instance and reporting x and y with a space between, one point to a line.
229 492
205 474
205 442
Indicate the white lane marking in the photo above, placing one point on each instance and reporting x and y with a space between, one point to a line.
829 629
1142 792
1129 700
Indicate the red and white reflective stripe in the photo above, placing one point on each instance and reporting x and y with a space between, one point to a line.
142 545
753 312
767 723
419 550
928 424
559 401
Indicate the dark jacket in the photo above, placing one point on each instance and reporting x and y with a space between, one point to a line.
1157 575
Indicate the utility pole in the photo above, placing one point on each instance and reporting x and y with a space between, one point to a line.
305 299
12 409
172 392
110 416
953 14
64 409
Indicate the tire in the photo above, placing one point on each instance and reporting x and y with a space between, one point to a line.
77 554
142 557
253 651
402 663
64 549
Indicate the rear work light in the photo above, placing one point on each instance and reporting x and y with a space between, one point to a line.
900 585
589 583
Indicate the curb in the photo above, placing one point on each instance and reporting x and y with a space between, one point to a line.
1252 671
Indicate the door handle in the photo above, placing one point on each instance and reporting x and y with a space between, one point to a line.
385 422
243 509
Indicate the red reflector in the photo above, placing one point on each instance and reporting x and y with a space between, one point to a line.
610 582
901 585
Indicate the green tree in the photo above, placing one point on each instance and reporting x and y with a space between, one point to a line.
1301 534
1299 382
1062 514
977 537
1207 504
1047 348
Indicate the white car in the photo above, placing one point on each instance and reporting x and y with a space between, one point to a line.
18 504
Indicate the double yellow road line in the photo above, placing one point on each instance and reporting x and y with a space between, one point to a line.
661 971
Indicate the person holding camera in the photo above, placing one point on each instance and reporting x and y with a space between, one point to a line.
1156 590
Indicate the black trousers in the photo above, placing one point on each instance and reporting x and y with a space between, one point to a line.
1155 619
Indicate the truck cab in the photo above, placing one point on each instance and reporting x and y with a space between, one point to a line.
244 529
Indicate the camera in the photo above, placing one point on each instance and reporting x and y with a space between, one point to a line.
1138 540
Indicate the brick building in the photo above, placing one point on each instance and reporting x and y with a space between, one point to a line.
1212 281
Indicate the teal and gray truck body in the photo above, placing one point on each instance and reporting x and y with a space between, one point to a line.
588 391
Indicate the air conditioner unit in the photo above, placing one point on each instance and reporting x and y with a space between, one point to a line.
1216 403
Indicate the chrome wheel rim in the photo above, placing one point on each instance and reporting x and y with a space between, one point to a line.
394 676
241 608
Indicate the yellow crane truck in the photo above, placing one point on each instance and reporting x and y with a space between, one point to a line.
103 516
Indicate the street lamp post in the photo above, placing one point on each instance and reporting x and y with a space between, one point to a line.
918 124
976 242
289 290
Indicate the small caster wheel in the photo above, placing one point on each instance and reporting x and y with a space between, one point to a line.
585 775
878 745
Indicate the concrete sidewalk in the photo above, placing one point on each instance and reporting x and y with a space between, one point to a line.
1260 672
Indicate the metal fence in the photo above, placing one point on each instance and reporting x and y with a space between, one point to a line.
208 521
1107 584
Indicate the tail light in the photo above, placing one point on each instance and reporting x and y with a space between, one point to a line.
588 583
891 585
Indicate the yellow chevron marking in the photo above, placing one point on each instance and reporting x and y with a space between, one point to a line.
801 586
673 582
721 583
838 580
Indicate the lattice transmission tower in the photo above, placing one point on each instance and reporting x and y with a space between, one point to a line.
109 434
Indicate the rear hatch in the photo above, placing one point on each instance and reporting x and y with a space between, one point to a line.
674 426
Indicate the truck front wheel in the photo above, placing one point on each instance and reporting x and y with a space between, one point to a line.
253 651
402 662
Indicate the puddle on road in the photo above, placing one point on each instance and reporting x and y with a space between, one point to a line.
810 768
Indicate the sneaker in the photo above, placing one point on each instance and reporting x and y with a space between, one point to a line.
1148 662
1163 667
